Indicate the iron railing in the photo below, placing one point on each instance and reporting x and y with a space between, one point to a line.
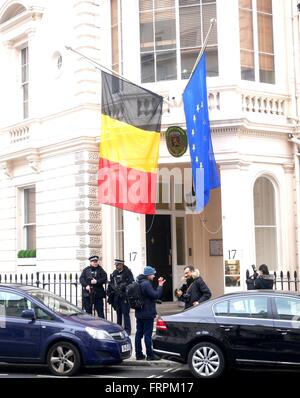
283 281
65 285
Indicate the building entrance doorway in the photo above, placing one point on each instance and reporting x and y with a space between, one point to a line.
159 250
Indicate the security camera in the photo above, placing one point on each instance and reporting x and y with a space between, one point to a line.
298 6
291 135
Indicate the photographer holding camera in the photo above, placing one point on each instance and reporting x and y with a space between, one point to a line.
92 280
261 279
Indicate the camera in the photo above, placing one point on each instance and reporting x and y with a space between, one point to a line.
255 273
298 6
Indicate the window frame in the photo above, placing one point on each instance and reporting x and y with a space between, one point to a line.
178 49
24 82
18 294
275 312
256 51
24 224
270 313
117 67
119 234
276 226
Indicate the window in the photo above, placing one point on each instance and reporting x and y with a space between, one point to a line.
265 223
29 227
288 308
171 35
252 307
119 233
12 12
221 309
13 304
41 314
25 80
256 41
116 27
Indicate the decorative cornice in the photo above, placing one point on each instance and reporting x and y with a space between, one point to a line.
233 164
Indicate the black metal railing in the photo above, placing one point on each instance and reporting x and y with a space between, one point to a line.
283 281
65 285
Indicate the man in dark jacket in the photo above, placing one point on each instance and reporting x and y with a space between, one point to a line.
197 290
92 280
116 292
145 315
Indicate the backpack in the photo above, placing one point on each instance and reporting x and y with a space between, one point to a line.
134 295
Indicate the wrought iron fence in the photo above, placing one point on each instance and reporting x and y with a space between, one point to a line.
288 281
65 285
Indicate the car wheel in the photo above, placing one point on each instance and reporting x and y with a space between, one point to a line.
63 359
206 360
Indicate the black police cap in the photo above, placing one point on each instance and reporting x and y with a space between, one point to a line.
118 261
92 258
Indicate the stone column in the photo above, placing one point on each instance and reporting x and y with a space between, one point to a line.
89 228
237 211
135 241
87 42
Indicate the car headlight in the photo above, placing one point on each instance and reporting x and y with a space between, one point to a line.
98 334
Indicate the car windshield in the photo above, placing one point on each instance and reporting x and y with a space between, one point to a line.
55 303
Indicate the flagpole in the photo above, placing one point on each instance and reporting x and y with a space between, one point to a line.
97 65
212 24
104 68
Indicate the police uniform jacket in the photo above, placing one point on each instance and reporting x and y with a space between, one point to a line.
97 273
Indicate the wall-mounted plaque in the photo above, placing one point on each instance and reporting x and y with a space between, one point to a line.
216 247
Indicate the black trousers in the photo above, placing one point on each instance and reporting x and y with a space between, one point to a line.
93 301
123 310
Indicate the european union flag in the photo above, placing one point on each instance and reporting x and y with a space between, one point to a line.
204 168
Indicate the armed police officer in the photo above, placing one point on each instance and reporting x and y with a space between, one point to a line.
92 280
116 291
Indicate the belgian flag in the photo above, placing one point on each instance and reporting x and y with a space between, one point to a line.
129 145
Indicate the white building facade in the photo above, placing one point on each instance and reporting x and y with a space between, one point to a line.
50 123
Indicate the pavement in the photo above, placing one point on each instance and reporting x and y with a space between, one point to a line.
167 308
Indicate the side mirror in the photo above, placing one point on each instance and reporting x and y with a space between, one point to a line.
28 314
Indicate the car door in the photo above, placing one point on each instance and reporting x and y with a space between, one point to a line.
19 338
247 327
287 327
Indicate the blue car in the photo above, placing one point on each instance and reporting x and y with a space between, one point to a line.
37 326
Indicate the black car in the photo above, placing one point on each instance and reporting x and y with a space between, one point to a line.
254 327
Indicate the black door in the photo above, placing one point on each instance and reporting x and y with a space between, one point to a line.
158 239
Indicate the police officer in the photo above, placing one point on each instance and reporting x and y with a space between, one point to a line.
116 291
92 280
